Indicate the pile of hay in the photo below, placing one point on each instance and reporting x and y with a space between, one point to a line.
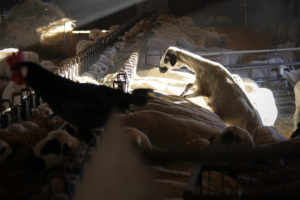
20 29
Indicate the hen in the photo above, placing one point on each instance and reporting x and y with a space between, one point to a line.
87 106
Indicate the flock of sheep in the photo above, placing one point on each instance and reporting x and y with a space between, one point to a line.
192 109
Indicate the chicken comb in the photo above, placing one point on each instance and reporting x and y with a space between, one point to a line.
13 59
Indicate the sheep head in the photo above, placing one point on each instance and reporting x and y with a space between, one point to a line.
55 147
233 137
169 60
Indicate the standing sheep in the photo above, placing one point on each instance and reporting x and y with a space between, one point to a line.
297 103
215 82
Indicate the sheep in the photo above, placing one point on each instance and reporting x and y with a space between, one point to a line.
216 83
292 76
119 45
267 135
137 28
55 147
83 45
232 137
297 103
47 64
138 138
22 136
85 78
96 34
264 72
114 28
175 132
43 116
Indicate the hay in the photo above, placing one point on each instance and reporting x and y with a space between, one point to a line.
19 30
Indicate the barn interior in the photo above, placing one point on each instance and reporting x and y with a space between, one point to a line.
221 117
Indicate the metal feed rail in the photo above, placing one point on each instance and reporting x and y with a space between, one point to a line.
247 51
68 68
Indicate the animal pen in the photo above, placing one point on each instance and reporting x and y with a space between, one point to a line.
211 178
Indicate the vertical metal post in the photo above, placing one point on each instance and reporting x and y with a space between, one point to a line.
244 5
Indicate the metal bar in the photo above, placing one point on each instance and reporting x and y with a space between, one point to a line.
263 65
246 51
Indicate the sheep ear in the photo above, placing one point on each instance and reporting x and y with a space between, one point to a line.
173 59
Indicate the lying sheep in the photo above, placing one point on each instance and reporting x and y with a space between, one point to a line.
138 138
22 134
55 147
232 137
292 76
43 116
96 34
263 101
216 83
267 135
175 126
49 65
83 45
264 72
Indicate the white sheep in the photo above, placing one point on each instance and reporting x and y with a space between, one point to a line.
96 34
175 126
263 101
267 135
297 103
86 79
49 65
114 28
292 76
232 137
263 72
215 82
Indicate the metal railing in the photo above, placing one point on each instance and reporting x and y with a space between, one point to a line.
4 14
69 68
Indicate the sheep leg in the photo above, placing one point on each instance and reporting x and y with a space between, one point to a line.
296 114
187 88
195 94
